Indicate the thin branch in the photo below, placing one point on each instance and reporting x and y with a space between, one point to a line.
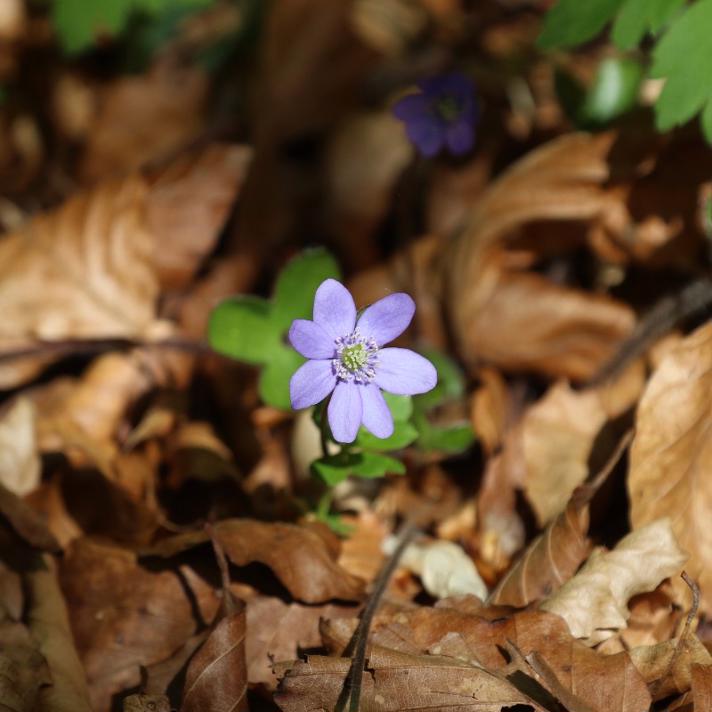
357 645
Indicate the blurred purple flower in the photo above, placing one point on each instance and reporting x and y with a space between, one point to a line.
348 358
443 113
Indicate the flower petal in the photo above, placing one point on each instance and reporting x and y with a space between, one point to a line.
334 309
427 134
460 137
345 411
410 107
311 383
404 372
376 414
387 318
310 340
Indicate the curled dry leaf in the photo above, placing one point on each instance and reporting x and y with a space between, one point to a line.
444 568
20 465
49 625
551 559
594 603
94 267
303 558
124 616
216 679
671 455
399 681
25 522
653 662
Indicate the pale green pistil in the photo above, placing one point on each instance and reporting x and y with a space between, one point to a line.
354 357
447 108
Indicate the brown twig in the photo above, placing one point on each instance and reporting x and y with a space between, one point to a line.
351 691
685 631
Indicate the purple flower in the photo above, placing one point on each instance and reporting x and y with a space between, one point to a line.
347 358
442 114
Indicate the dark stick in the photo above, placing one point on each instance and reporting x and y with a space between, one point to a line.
357 644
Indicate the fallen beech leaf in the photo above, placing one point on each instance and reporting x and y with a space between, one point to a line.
465 629
653 663
702 687
398 681
124 616
20 466
49 625
444 568
671 455
23 669
490 410
551 559
25 522
300 557
216 679
94 267
594 602
147 703
143 118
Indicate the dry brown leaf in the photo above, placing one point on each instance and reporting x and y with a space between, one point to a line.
94 268
303 558
216 679
594 603
49 625
124 616
398 681
653 663
672 454
702 687
551 559
25 522
20 465
147 703
144 118
23 669
491 409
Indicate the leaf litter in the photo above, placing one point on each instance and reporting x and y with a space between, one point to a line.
559 277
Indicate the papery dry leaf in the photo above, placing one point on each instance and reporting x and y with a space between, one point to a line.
49 625
702 687
143 118
147 703
124 616
594 602
398 681
277 631
94 267
302 558
557 435
653 663
444 568
490 409
561 331
23 669
606 682
20 465
671 455
551 559
216 679
25 522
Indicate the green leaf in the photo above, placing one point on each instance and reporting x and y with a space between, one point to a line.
80 22
297 284
613 92
241 327
450 385
706 121
683 56
403 435
275 376
375 464
401 407
638 17
335 468
571 22
450 439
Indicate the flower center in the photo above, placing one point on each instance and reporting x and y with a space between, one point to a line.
356 358
447 108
